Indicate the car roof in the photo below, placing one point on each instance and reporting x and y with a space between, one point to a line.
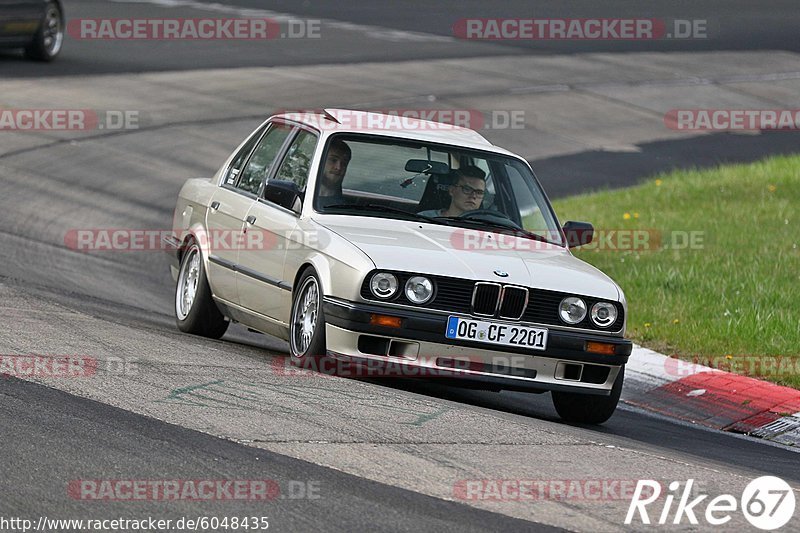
333 120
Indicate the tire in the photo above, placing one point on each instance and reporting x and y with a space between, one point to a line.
195 310
586 409
49 37
307 322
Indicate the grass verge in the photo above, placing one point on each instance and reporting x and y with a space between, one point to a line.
715 275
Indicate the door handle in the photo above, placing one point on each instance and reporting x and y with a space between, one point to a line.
250 220
214 206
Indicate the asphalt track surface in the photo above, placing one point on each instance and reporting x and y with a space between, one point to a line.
386 454
408 30
96 437
736 25
357 33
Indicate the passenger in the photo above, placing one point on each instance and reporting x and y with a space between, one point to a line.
466 194
329 188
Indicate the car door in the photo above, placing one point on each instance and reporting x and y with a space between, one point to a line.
263 285
226 219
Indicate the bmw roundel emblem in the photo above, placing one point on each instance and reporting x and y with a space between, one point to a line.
501 273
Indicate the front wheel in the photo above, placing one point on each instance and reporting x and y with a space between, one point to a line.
587 409
49 37
307 327
195 310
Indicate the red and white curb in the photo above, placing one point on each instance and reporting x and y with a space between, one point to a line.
713 398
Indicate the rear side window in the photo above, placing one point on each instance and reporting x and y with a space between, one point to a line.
240 158
263 157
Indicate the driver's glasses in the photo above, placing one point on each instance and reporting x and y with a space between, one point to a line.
469 191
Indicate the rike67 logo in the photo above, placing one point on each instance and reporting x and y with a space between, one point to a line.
767 502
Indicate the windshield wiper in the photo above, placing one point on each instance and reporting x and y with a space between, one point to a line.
499 225
386 209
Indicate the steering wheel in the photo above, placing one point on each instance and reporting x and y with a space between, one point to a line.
490 212
476 214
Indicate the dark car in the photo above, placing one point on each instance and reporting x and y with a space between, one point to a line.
36 26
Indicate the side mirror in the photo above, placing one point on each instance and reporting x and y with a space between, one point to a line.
578 233
285 194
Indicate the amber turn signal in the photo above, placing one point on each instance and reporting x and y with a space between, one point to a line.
384 320
600 347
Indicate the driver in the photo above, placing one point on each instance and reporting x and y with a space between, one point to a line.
466 194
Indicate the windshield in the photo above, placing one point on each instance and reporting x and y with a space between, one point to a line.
388 178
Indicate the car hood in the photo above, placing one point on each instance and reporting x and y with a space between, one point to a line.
470 254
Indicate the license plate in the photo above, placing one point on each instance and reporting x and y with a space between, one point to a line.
496 333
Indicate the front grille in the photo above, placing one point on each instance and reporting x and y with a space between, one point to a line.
513 303
455 295
451 294
543 308
485 299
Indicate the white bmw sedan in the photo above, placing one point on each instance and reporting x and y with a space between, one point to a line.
394 242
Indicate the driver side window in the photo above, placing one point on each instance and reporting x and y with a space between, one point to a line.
527 204
296 165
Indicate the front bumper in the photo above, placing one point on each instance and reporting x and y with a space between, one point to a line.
420 344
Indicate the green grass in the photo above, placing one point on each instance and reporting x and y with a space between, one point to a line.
733 302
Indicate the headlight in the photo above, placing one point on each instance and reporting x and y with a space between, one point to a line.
572 310
419 290
604 314
383 285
